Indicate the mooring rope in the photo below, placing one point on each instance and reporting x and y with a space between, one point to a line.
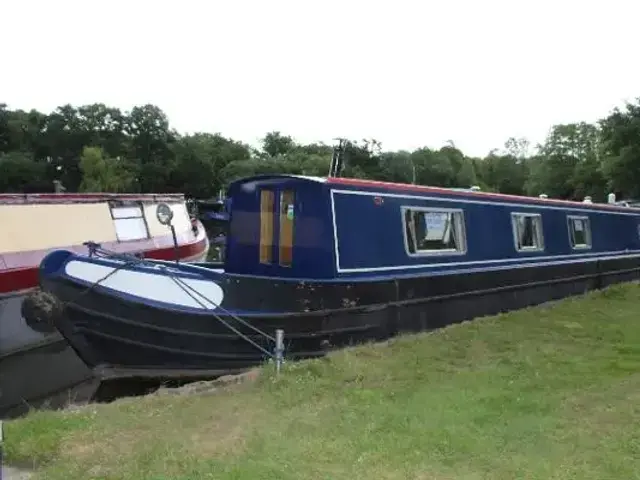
166 269
132 260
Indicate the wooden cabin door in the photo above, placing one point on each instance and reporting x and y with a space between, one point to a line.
267 207
276 226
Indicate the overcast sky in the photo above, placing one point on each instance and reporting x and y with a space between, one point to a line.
408 73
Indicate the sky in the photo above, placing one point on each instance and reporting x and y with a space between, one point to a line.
407 73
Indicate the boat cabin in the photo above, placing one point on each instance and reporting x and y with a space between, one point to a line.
321 228
34 224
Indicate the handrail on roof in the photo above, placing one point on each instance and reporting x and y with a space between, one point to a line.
35 198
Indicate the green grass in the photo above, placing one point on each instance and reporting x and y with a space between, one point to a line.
545 393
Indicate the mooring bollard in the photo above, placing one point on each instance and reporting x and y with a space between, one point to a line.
279 349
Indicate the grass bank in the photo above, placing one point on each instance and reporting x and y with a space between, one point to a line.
545 393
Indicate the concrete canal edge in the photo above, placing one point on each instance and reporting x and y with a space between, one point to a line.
13 473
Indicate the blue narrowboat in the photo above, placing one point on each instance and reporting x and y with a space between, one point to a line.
333 261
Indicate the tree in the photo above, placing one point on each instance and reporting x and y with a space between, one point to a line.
199 161
274 144
517 147
432 168
5 133
19 173
621 150
503 173
101 148
398 167
567 165
100 174
150 138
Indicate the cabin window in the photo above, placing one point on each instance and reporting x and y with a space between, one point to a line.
129 222
432 231
579 232
527 230
287 210
267 204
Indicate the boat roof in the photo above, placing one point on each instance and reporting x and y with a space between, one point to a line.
276 176
418 189
35 198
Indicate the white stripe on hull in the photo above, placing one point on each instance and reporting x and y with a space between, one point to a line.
150 286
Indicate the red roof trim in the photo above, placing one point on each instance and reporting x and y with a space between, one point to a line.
357 182
30 198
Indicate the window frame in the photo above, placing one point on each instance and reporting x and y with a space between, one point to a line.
459 218
571 233
514 229
114 218
281 226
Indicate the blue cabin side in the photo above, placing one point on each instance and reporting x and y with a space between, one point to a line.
372 236
280 226
313 228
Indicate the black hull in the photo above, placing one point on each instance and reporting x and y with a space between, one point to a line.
37 366
119 339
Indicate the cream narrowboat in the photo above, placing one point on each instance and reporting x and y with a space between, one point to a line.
35 361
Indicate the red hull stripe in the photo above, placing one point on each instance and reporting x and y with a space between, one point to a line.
406 188
25 275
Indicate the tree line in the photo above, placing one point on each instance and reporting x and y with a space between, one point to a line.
97 148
